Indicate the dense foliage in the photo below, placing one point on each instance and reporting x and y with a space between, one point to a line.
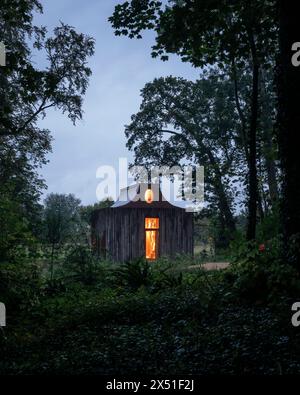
26 92
158 319
238 36
68 312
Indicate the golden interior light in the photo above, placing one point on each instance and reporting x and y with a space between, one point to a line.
149 196
151 230
151 244
151 223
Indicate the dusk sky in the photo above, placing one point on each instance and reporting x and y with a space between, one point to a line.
121 67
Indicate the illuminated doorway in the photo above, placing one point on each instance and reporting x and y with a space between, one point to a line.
151 237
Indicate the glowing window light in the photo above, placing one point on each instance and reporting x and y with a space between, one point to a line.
149 196
151 223
151 236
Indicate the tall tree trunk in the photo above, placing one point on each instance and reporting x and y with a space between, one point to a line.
253 193
223 203
289 121
252 205
240 111
268 143
271 176
249 138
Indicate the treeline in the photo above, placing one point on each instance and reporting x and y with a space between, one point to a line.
70 312
27 91
238 119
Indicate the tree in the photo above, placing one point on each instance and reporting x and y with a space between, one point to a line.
289 120
14 229
61 219
227 33
179 119
27 92
86 211
268 160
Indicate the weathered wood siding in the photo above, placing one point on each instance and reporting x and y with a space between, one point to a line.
124 231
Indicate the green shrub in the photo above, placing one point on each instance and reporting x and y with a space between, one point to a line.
82 264
269 227
167 274
257 273
134 274
20 284
54 286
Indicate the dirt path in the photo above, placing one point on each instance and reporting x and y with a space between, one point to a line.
211 266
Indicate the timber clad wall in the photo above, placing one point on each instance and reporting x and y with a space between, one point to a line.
121 231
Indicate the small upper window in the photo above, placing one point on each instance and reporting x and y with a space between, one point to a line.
151 223
149 196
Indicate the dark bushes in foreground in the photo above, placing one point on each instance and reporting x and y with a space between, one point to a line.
160 318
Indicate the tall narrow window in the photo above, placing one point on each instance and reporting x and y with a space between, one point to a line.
151 237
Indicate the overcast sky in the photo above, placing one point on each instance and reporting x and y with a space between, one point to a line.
120 67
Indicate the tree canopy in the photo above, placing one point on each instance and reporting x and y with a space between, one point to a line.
28 90
236 34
